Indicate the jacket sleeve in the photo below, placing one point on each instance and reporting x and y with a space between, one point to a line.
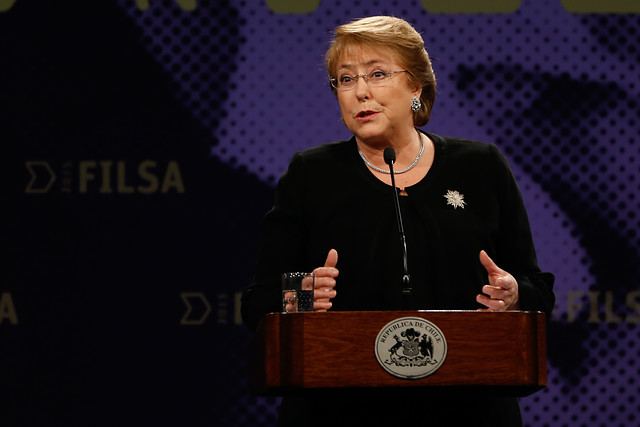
282 246
516 251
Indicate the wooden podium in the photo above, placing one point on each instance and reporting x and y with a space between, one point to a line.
499 352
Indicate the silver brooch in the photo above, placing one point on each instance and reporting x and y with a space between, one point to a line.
455 199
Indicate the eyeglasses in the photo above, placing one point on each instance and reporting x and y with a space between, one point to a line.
376 78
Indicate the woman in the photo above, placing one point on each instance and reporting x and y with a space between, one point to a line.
468 239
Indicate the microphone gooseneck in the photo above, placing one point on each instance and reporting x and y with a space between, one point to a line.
389 159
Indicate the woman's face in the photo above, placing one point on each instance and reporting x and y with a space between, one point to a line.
375 114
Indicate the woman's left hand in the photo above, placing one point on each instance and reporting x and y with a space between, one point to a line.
501 293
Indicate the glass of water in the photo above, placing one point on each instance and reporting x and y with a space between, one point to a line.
297 292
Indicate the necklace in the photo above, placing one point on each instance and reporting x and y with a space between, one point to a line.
415 162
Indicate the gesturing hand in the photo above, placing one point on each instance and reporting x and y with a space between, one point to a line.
501 293
325 281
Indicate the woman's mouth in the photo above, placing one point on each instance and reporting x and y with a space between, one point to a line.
366 114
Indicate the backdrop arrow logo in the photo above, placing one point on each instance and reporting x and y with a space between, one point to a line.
189 318
38 186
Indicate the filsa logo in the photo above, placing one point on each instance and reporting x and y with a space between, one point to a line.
105 177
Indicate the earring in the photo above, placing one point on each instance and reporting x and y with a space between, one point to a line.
415 104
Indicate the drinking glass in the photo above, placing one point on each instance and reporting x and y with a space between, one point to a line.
297 292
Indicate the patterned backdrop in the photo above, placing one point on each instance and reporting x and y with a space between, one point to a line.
143 141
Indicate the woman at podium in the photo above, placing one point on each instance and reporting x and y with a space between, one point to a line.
466 242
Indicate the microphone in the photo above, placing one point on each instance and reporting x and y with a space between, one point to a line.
390 158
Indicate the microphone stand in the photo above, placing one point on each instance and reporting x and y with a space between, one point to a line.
390 158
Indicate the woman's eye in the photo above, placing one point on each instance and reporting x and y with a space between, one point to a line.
379 74
346 79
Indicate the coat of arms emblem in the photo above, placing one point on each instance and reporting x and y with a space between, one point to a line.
411 348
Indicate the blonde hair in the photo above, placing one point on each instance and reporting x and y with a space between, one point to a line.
399 37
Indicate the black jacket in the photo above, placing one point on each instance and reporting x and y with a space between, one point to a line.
328 198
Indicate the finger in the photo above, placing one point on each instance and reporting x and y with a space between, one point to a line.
507 295
321 305
325 272
490 303
499 300
325 282
496 292
332 258
488 264
324 294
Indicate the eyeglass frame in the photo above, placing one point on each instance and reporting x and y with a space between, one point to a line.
365 76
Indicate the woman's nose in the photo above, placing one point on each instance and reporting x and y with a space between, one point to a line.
362 88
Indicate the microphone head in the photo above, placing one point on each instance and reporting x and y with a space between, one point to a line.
389 155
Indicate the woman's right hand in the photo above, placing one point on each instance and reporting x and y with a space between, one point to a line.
325 281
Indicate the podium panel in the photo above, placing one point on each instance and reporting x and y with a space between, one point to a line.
504 352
